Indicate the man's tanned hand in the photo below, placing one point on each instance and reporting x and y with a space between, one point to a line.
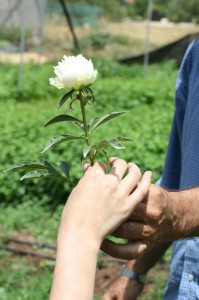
153 222
162 217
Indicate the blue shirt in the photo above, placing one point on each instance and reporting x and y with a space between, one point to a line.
182 171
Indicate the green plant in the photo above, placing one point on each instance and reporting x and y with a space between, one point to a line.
13 34
77 74
150 105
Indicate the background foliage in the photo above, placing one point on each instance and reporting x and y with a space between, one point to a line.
119 88
174 10
35 205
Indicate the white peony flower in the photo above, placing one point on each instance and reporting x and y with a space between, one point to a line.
73 72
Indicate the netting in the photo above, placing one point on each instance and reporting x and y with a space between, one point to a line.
19 15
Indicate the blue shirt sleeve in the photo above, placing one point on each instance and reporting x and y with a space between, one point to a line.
172 168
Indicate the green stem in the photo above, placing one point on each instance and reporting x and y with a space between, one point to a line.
85 124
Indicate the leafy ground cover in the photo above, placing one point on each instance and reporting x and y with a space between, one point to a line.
32 208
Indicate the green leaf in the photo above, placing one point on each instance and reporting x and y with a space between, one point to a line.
106 118
36 169
106 155
37 174
113 143
64 98
80 125
62 118
86 150
90 123
30 165
64 167
89 98
88 90
60 139
123 139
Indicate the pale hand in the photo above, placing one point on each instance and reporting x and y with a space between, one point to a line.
101 202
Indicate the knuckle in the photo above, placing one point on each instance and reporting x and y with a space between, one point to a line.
126 211
122 161
156 214
112 182
157 193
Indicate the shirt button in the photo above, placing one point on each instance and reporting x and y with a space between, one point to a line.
190 277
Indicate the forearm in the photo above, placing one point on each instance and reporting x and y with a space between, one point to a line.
75 267
185 213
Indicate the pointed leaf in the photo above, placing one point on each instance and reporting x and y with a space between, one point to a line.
81 125
37 174
30 165
123 139
115 144
90 123
88 90
71 104
93 150
60 139
106 118
62 118
87 99
86 150
64 167
64 98
106 155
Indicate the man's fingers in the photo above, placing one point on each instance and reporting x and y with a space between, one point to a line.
127 251
118 167
134 231
130 231
139 213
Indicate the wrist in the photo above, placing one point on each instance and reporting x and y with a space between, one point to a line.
137 266
75 235
138 277
180 212
185 213
172 215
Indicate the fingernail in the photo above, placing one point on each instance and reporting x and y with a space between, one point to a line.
86 166
143 247
149 173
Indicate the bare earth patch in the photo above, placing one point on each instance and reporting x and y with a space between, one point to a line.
58 40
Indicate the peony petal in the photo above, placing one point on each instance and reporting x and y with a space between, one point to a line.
56 82
74 72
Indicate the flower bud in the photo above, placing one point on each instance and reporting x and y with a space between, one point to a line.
74 72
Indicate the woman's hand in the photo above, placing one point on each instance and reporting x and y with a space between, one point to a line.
101 202
96 207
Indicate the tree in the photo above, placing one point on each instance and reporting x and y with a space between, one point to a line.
183 10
